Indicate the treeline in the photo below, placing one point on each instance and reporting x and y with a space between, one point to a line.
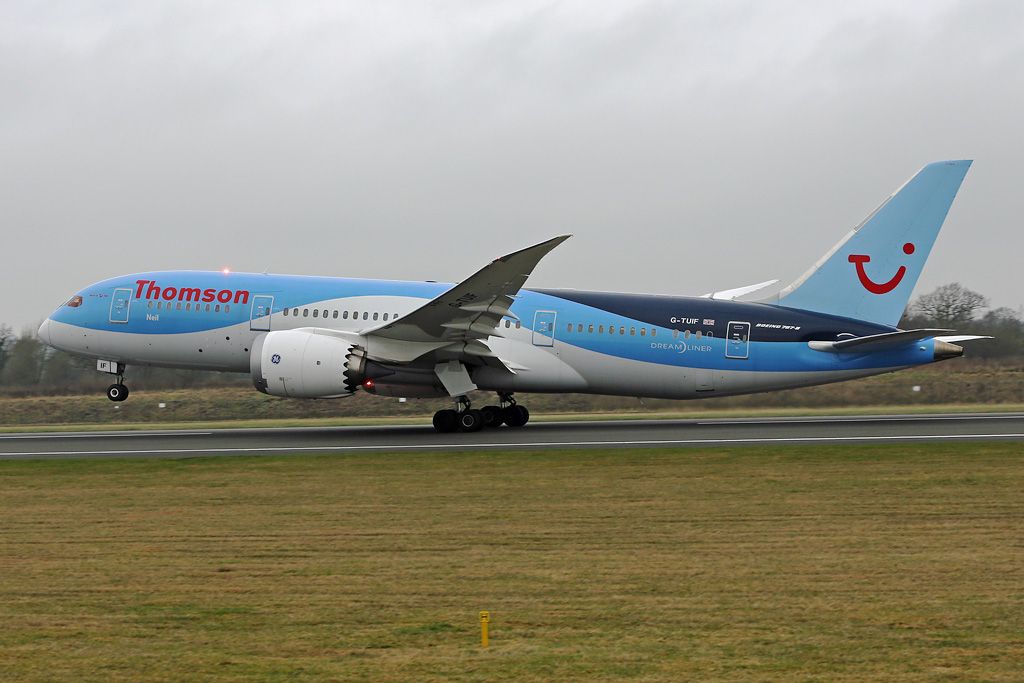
28 366
954 307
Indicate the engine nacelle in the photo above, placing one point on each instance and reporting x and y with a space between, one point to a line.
301 364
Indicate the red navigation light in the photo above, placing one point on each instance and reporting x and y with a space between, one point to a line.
368 383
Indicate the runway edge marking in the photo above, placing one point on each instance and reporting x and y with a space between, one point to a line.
509 446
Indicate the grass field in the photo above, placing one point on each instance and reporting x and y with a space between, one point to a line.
843 563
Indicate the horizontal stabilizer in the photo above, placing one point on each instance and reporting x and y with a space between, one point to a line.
957 338
874 342
730 294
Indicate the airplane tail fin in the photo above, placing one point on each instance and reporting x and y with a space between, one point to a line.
871 273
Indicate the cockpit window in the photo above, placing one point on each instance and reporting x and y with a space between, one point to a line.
75 301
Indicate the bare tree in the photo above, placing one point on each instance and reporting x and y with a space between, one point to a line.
6 339
951 305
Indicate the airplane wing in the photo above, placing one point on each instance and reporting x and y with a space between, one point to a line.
470 311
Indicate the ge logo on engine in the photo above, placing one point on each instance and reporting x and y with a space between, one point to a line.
275 359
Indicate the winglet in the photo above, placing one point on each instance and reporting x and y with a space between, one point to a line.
541 249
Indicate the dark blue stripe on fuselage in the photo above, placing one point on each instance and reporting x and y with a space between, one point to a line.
768 323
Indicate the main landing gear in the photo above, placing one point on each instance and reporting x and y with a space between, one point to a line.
465 418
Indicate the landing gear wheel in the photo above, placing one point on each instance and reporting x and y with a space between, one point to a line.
117 392
516 416
493 416
471 420
446 421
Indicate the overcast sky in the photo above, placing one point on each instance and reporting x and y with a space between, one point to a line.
688 146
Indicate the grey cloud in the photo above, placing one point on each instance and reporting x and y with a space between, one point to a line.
689 146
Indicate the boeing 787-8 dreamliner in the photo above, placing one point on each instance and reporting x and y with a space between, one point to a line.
329 337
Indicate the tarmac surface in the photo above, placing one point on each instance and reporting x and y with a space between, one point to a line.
534 436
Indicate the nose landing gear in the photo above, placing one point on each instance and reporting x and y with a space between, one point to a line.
118 391
468 419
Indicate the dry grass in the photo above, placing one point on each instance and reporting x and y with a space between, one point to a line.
846 563
986 385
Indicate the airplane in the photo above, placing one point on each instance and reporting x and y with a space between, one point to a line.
330 337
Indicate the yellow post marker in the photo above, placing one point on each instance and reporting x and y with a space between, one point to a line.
485 618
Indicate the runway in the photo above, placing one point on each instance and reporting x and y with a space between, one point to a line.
535 436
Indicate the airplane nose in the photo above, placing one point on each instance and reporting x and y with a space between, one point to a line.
44 331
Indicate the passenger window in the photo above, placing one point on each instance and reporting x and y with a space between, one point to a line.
709 334
285 312
159 305
579 328
216 309
686 335
316 312
177 306
188 306
385 317
600 329
675 334
375 315
305 312
149 304
207 308
632 332
344 315
568 328
518 324
622 330
227 308
366 315
508 324
654 331
699 334
643 331
590 329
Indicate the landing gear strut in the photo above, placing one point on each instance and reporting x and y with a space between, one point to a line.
465 418
118 392
513 414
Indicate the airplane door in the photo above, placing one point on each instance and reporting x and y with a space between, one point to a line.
544 328
119 305
259 317
737 340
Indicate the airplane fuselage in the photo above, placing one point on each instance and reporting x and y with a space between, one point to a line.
554 341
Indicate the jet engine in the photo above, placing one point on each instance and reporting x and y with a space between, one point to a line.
302 364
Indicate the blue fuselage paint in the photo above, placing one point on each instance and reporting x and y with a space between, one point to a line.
629 344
